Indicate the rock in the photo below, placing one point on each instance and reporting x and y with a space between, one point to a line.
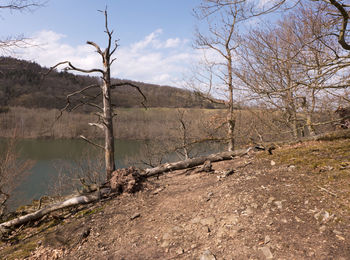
207 167
267 239
165 243
323 228
278 204
322 216
157 191
196 220
180 251
254 205
297 219
206 229
207 255
136 215
291 168
270 200
248 211
273 163
228 173
208 221
266 252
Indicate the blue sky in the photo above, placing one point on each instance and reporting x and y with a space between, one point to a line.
155 36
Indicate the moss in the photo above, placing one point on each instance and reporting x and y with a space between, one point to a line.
88 212
19 251
317 157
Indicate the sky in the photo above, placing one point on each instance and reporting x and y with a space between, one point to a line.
155 36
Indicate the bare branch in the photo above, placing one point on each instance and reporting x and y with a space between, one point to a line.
131 85
90 142
345 17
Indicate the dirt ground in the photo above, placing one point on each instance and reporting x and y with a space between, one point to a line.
289 205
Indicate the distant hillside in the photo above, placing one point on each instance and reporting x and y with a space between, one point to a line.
22 84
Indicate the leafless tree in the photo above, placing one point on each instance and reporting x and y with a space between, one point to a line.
9 42
221 42
291 64
88 95
12 171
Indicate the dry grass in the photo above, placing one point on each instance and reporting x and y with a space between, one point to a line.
252 125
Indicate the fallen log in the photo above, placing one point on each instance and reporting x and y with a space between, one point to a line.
84 199
194 162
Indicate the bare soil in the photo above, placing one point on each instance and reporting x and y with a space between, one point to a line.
293 204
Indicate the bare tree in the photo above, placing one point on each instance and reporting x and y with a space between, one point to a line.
221 40
12 171
291 64
105 112
8 42
343 12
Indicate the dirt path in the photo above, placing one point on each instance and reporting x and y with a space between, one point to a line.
261 211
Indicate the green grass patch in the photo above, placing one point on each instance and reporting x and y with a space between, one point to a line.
332 157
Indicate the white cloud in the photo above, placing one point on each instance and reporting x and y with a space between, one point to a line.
152 59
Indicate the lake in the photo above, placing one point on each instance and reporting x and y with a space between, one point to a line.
50 156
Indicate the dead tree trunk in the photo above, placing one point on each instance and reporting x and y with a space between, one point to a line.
60 205
108 116
105 112
194 162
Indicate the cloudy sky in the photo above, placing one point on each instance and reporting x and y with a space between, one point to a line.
155 36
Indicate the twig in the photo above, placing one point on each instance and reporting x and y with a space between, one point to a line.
329 192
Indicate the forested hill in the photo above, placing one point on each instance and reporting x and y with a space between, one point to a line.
22 84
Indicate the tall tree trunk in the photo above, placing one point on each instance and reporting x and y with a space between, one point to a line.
231 122
108 118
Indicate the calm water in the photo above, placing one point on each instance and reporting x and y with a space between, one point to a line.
50 155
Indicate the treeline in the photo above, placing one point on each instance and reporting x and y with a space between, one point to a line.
253 125
27 84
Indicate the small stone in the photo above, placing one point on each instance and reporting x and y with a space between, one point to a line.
196 220
248 211
297 219
207 255
270 200
254 205
180 251
323 228
157 191
193 246
340 237
206 229
165 243
136 215
322 216
278 204
267 239
273 163
266 252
